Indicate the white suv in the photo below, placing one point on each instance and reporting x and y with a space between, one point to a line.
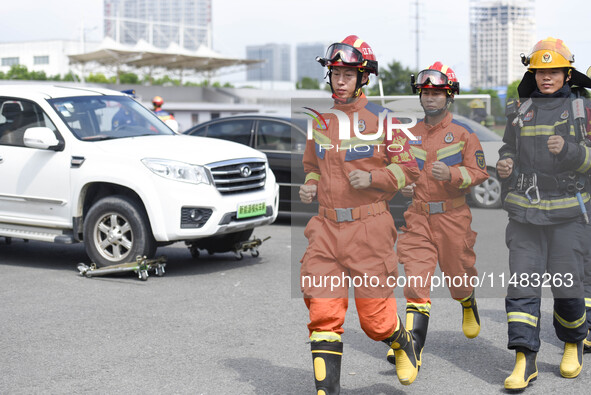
94 166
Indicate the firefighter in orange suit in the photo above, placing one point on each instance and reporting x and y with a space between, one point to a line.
353 235
164 116
438 221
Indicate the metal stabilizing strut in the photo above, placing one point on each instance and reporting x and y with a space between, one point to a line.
141 267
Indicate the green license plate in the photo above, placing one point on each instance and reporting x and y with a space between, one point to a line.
251 210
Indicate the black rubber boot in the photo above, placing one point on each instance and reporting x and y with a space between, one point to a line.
470 317
407 366
572 360
525 370
587 343
417 324
326 357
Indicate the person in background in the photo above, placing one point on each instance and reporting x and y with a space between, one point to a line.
165 116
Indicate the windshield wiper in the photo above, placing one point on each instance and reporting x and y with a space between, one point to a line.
99 137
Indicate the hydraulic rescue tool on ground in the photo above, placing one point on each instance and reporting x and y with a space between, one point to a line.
238 249
141 266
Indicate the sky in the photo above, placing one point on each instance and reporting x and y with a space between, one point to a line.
387 25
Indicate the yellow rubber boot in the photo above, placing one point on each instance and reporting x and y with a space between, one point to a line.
401 343
470 317
525 370
572 360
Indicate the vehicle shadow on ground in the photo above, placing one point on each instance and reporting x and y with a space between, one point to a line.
49 256
181 263
40 255
286 380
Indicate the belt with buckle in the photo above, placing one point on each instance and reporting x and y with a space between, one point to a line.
439 207
351 214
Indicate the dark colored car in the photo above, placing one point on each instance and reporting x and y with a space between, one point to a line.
283 141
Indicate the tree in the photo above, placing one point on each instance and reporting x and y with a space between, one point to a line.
167 81
38 75
497 108
17 72
512 90
395 80
70 77
98 78
128 78
307 83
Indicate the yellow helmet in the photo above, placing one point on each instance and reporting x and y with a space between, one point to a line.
549 54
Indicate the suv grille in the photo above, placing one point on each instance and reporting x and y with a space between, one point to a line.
238 175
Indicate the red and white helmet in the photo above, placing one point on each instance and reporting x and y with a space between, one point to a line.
351 52
437 76
157 101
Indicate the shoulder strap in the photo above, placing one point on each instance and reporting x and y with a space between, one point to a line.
523 108
579 117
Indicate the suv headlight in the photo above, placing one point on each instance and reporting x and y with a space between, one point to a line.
178 171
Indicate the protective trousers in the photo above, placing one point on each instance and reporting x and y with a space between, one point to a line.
545 256
357 254
445 238
587 281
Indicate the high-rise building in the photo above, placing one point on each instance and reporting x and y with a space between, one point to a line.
306 65
500 30
186 23
276 65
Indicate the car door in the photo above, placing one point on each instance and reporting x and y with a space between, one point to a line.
35 183
237 130
278 140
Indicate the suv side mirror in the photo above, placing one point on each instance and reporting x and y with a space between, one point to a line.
42 138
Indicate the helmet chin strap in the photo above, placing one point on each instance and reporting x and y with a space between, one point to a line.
358 86
433 113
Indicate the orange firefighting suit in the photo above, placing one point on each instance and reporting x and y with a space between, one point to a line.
358 242
438 221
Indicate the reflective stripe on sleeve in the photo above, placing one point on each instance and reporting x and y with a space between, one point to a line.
312 176
466 179
398 173
584 168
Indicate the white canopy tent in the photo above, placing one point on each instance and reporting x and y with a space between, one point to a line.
143 54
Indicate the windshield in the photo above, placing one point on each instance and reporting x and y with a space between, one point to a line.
108 117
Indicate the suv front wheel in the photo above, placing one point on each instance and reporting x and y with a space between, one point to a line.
116 230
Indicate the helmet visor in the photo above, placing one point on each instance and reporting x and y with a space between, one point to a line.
432 77
346 53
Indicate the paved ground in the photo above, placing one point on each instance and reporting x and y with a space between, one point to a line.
221 326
